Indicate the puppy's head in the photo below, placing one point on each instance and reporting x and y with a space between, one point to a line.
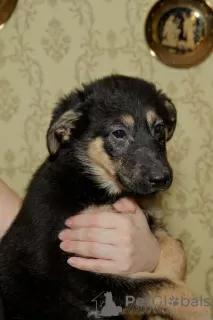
116 128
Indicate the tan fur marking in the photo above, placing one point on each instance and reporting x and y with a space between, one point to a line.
173 259
128 120
151 117
103 167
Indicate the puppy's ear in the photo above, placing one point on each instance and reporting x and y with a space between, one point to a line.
171 117
60 132
68 112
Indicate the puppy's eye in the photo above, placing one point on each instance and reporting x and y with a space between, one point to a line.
159 131
119 134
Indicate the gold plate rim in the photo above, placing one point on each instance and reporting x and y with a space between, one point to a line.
170 59
6 11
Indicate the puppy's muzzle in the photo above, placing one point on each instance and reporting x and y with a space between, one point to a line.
161 179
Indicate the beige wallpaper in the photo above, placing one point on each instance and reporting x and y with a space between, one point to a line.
50 46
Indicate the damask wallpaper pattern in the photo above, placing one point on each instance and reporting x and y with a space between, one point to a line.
50 46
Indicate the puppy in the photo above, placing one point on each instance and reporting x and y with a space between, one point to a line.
106 141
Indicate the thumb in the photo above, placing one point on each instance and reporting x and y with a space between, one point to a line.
125 205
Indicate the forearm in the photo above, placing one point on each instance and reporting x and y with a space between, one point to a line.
9 206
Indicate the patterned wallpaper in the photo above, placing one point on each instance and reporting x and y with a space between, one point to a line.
50 46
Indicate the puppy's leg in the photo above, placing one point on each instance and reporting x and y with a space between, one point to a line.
166 284
173 261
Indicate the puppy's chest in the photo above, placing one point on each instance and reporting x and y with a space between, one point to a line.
151 207
154 220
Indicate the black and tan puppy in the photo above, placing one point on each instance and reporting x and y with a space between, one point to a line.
105 141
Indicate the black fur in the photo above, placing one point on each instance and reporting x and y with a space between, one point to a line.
36 283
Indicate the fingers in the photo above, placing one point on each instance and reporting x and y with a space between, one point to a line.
105 220
93 265
121 267
90 249
107 236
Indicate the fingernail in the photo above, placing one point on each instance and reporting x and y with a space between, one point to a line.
61 235
68 222
120 204
72 261
64 245
127 204
120 201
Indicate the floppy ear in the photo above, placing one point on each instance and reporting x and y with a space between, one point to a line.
60 131
65 120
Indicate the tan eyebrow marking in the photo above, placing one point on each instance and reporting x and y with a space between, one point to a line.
128 120
151 117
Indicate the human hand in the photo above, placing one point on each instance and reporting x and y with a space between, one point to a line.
9 206
118 242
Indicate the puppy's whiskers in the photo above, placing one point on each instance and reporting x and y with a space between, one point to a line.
178 182
184 175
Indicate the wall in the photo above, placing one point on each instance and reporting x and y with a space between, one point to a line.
50 46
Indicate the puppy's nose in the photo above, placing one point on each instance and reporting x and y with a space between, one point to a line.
160 179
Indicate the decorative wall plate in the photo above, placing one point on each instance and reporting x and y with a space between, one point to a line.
180 32
6 9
